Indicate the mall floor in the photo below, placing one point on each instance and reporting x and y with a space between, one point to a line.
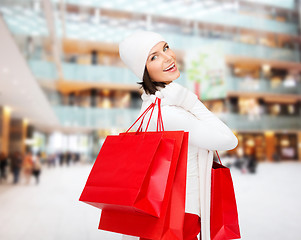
268 204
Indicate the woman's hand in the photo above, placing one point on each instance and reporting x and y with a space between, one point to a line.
177 95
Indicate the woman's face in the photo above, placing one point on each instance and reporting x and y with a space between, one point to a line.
158 63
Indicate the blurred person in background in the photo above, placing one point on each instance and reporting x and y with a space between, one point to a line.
30 47
243 163
241 160
252 163
276 156
16 165
28 166
76 157
43 157
37 166
61 158
51 159
3 164
68 158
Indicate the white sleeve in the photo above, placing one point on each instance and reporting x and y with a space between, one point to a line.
205 129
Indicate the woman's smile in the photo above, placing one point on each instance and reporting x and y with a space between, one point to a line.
171 68
162 60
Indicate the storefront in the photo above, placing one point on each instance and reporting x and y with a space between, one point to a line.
269 146
287 146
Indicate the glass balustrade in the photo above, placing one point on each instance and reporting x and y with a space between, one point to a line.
90 73
215 13
104 32
123 118
289 4
261 86
44 70
100 118
34 23
87 73
261 122
233 48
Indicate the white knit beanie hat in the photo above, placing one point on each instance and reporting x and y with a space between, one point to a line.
134 49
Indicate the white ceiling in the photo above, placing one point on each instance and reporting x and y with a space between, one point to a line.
19 89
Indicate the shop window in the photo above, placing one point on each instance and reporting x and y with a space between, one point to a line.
269 42
287 146
276 82
291 109
249 39
275 109
250 107
289 81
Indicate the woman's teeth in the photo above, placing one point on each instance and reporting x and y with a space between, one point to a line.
171 67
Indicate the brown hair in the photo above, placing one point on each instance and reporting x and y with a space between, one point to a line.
149 86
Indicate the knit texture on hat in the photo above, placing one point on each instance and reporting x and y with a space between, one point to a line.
134 49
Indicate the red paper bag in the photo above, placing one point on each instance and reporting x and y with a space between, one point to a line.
130 173
170 223
224 223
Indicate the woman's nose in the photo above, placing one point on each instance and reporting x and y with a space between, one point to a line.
167 56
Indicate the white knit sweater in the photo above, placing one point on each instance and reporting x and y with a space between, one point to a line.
206 134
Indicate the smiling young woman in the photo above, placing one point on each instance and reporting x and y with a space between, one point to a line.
151 59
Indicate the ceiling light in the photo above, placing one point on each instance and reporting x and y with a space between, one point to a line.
7 109
269 133
37 6
266 67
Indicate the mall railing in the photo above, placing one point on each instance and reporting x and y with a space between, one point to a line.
225 47
262 86
26 25
98 73
44 70
87 73
99 118
196 12
232 46
289 4
124 117
261 122
228 47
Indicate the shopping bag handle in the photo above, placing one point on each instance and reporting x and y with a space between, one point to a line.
159 122
146 110
160 126
218 157
160 116
159 119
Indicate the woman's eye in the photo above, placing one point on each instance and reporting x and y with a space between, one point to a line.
156 56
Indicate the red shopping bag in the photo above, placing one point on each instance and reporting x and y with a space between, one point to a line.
131 172
224 223
170 224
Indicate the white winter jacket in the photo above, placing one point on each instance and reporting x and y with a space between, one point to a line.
206 134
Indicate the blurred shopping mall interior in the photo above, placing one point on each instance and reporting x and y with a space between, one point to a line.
64 88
